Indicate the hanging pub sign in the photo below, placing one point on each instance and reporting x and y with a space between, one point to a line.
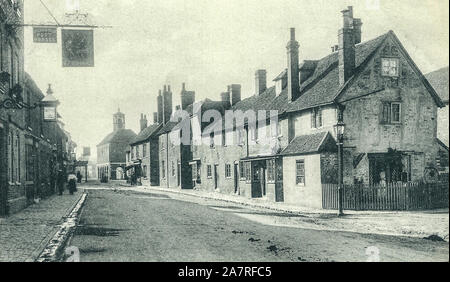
44 35
77 48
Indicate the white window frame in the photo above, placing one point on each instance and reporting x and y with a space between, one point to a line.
390 60
304 172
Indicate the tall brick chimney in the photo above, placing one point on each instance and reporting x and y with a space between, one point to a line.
292 78
234 91
143 122
346 47
225 96
167 104
357 23
260 81
155 117
187 97
160 107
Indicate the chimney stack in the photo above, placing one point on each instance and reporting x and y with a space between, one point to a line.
346 47
160 107
155 117
357 23
260 81
234 91
167 104
225 96
143 122
292 56
187 97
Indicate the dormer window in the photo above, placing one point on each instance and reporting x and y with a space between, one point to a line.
389 67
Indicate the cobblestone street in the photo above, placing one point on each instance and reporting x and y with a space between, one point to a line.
25 234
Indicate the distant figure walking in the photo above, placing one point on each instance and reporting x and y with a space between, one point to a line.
60 181
79 177
72 184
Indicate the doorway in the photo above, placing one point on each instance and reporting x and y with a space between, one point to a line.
259 179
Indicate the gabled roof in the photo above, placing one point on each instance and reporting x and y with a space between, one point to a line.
319 89
146 134
312 143
439 80
323 87
119 136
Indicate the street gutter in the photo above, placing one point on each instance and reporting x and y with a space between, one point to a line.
53 249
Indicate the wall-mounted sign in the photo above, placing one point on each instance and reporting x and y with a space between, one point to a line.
44 35
49 113
77 48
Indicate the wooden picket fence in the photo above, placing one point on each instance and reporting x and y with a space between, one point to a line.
394 196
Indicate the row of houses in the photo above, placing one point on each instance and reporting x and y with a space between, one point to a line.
30 149
389 108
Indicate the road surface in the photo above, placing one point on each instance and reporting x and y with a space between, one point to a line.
121 225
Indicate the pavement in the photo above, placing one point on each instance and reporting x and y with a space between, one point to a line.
140 224
421 224
24 235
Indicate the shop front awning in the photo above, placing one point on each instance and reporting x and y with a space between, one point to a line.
133 164
194 161
260 158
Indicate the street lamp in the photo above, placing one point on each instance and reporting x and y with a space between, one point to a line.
49 105
339 131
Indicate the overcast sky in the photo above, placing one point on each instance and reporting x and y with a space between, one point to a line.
208 44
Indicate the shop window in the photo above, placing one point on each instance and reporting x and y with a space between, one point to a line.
242 170
271 170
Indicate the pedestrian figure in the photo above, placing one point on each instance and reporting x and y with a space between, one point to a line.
60 181
72 184
79 177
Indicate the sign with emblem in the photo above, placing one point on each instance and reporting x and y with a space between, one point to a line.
44 35
77 48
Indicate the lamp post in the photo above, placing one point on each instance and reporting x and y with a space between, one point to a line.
339 131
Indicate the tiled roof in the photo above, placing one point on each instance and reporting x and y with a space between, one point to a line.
145 134
119 136
439 80
166 128
323 85
307 143
320 88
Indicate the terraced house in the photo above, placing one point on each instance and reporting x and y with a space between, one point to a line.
30 149
388 106
144 151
